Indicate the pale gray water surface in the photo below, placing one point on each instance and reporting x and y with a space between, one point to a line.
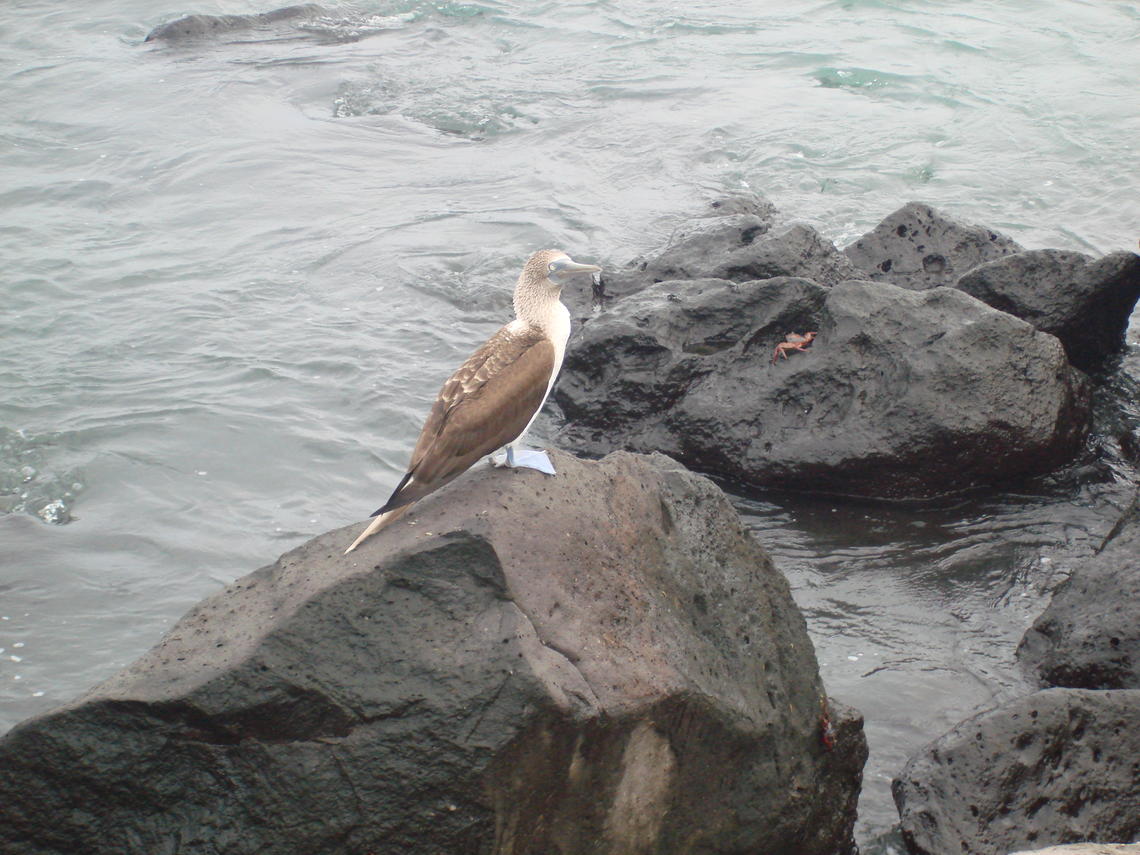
236 270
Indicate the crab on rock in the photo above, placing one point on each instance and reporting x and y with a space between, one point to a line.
792 341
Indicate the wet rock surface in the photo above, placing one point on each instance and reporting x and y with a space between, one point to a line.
920 247
1055 767
1084 302
193 27
952 358
735 246
897 397
604 661
1089 636
744 247
902 394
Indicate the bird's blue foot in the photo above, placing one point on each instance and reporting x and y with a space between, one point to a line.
528 458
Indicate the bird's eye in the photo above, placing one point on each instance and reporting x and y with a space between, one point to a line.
553 266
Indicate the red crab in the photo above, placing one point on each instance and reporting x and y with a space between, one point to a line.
792 341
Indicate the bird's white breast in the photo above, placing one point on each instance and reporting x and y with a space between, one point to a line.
555 323
559 332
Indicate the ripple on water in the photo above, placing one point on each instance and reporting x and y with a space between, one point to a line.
445 108
31 481
923 89
353 28
915 612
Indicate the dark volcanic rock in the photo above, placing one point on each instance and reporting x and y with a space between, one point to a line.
1089 636
918 247
1086 303
600 662
736 239
1059 766
741 248
902 394
198 26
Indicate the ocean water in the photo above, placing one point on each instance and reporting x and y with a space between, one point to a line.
236 270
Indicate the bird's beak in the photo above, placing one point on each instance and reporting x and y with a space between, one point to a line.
569 266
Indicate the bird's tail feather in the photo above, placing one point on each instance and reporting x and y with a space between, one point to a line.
377 524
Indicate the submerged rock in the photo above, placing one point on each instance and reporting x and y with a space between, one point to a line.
1085 302
1089 636
743 202
198 26
903 394
919 247
1054 767
600 662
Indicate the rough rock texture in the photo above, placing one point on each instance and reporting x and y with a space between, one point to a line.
742 203
737 238
902 394
600 662
919 247
1087 849
1089 636
741 247
198 26
1086 303
1058 766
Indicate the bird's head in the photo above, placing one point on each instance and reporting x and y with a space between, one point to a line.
553 267
540 283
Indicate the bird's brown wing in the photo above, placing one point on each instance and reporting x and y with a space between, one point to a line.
484 405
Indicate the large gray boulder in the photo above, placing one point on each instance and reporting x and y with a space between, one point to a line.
1089 636
1084 302
1055 767
600 662
920 247
903 394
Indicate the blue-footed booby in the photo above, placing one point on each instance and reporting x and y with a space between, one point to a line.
493 398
